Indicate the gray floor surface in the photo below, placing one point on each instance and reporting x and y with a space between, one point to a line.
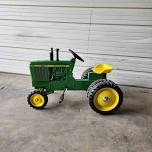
72 126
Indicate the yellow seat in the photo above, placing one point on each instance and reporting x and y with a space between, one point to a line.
102 68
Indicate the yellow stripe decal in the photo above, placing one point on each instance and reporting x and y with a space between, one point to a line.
50 66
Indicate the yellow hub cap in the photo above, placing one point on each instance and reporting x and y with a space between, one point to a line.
37 100
106 99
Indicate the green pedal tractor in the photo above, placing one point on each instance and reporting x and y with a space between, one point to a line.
104 96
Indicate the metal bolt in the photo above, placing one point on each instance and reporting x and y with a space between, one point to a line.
106 99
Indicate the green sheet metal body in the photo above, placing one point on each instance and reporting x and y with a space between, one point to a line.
58 75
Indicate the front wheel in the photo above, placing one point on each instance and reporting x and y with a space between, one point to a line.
105 97
37 99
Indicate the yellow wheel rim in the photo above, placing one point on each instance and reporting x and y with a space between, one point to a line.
106 99
37 100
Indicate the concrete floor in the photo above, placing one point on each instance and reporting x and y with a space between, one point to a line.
72 126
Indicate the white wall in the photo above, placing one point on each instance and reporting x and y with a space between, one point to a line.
118 32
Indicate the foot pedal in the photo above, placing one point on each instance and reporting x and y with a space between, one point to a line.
62 96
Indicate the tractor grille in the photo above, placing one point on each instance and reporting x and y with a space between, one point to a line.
40 73
48 72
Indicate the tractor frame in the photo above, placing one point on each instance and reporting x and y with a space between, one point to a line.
40 72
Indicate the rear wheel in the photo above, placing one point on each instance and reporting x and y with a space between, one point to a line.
85 73
105 97
37 99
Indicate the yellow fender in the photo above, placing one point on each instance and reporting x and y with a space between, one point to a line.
102 68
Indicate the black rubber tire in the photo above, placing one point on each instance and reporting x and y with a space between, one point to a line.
93 84
99 84
85 73
43 93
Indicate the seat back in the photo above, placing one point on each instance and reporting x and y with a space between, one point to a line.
102 68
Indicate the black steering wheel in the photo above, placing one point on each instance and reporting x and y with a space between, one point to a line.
76 56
